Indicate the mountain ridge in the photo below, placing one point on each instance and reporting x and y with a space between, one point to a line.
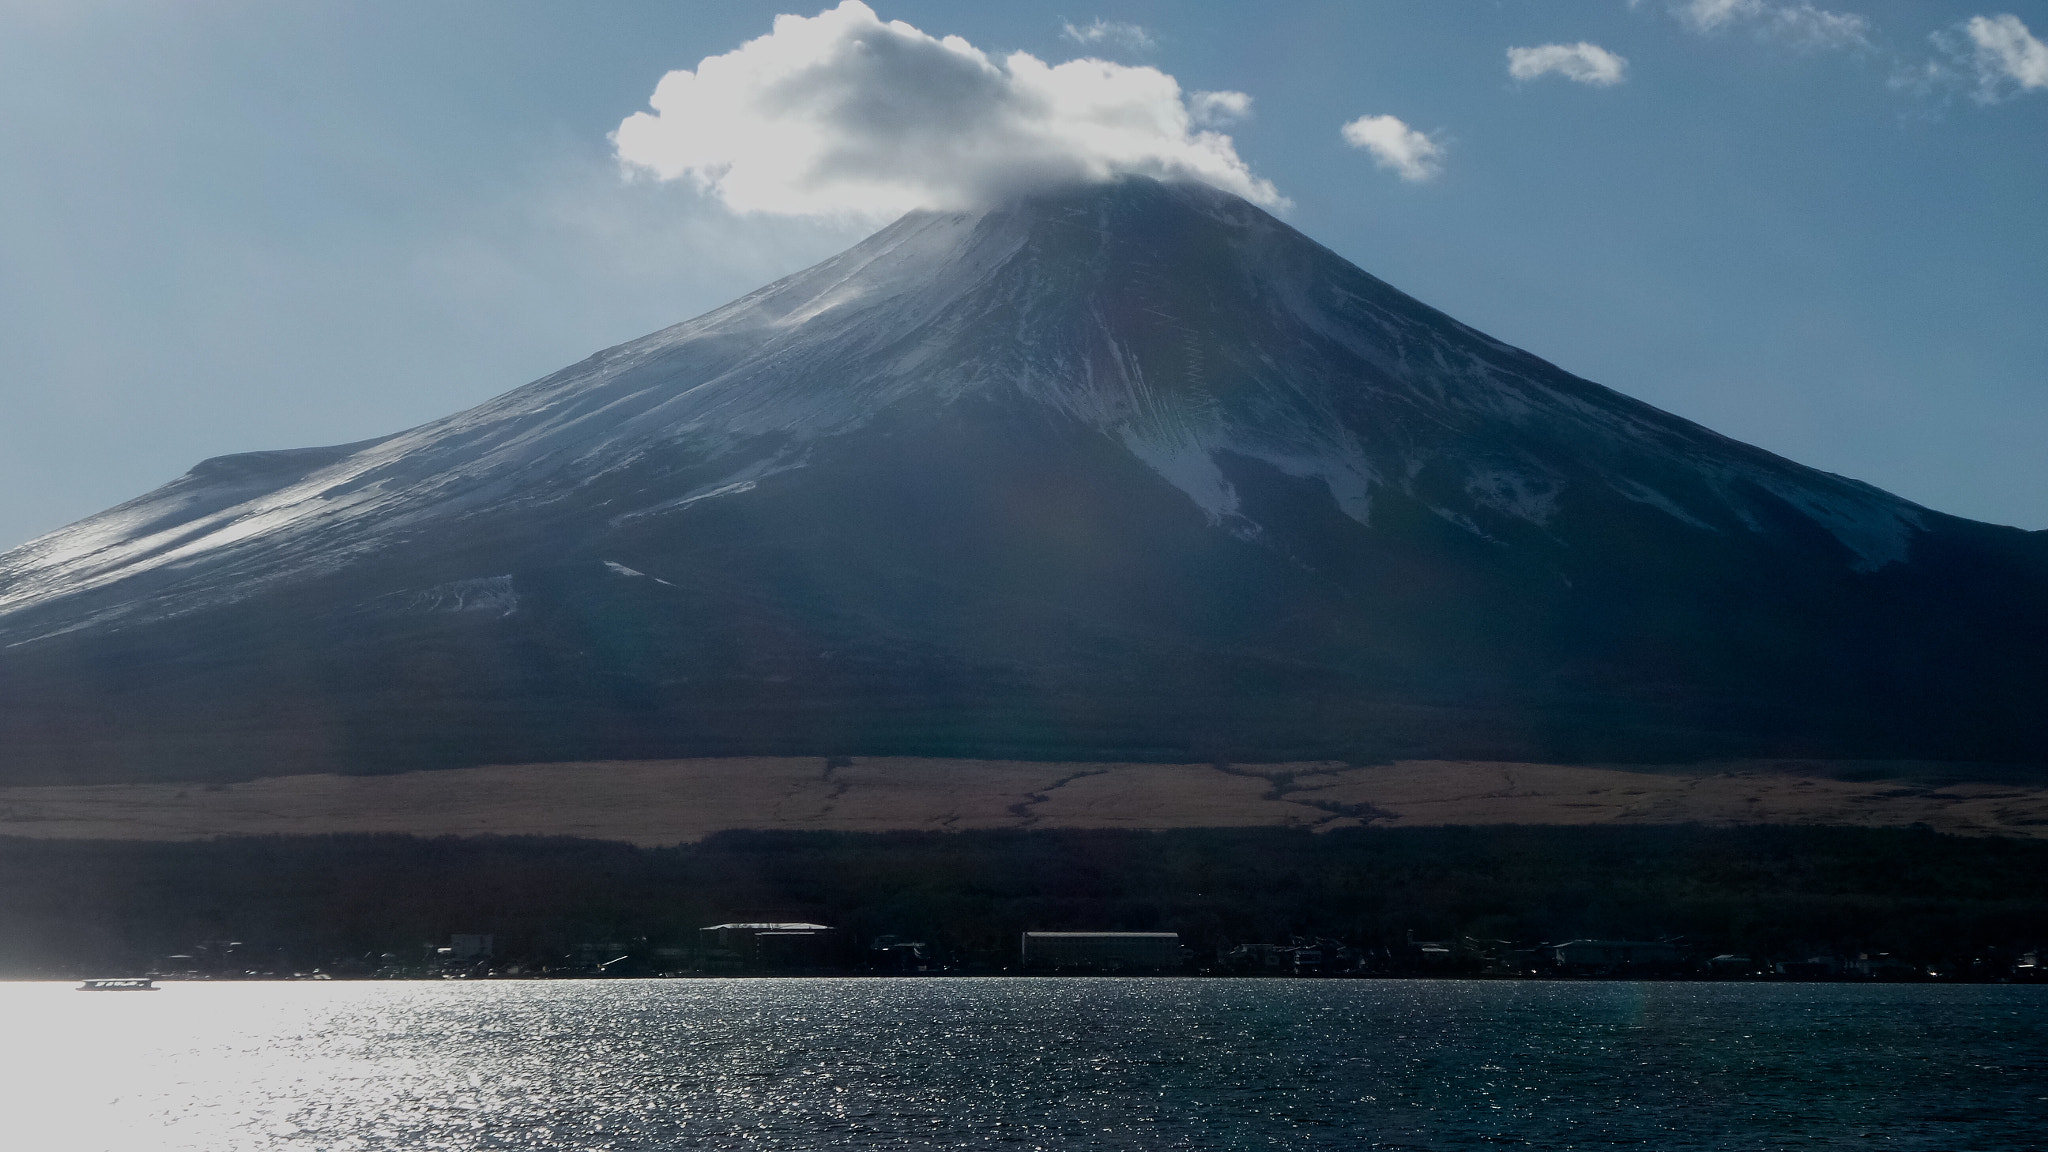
1017 471
1149 429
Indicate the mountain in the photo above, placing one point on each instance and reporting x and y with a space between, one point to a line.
1131 471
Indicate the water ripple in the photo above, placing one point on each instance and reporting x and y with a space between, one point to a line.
630 1066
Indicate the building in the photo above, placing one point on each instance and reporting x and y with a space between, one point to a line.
1428 955
1101 951
762 945
895 954
1881 966
1604 955
469 946
1299 957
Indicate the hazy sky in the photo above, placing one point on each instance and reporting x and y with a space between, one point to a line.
229 225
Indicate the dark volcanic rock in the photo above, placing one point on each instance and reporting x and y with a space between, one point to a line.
1133 471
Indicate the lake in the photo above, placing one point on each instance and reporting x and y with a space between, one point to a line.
1023 1064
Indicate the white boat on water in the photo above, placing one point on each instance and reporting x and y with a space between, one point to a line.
124 984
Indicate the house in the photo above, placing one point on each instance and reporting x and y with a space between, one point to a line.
895 954
766 945
1607 955
1101 951
469 946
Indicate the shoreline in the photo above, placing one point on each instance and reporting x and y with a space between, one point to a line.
1547 978
1504 902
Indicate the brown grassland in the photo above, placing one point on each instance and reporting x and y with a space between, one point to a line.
663 802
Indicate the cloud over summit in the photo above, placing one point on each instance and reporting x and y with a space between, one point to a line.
843 114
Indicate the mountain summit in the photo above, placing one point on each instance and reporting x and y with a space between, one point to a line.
1134 470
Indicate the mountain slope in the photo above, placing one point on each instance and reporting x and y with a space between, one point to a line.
1132 470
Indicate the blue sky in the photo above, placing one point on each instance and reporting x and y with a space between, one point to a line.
228 225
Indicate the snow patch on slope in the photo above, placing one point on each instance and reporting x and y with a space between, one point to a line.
492 594
1191 467
1873 525
618 569
1644 494
744 480
1347 474
1531 498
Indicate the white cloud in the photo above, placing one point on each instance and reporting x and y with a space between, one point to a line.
1219 107
1581 62
1994 58
2006 56
842 114
1798 23
1396 146
1812 27
1109 32
1710 15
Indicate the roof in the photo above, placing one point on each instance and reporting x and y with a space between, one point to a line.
1105 935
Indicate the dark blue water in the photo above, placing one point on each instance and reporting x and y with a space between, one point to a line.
1025 1064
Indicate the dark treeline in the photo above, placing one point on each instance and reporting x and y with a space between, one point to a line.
79 907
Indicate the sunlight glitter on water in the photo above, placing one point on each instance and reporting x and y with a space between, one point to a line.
1055 1064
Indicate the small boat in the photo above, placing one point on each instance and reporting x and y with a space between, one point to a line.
125 984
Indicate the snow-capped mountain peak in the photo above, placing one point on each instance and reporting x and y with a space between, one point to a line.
1185 443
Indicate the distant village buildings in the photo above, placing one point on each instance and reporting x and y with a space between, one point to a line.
1100 951
469 946
1609 955
758 945
792 947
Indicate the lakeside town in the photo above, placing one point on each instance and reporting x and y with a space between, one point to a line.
1682 903
797 948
